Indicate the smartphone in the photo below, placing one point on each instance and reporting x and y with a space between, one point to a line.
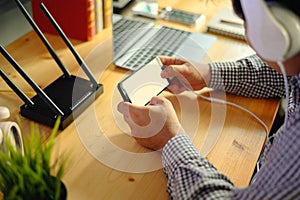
180 16
139 87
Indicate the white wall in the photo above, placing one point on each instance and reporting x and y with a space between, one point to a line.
12 22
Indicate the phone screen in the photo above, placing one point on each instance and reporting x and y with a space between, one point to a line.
140 86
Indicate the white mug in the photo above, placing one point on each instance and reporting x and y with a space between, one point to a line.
11 131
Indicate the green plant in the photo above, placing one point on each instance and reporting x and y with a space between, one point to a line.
32 175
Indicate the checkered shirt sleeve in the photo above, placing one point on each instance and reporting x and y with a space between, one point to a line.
248 77
190 175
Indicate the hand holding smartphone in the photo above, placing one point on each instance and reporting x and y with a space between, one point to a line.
139 87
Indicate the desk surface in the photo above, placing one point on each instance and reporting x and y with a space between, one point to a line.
97 135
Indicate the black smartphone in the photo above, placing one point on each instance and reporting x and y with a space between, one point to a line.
139 87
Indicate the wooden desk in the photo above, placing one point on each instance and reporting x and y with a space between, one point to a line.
235 153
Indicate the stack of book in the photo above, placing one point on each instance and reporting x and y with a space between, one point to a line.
79 19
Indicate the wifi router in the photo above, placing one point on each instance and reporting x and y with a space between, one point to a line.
72 94
67 96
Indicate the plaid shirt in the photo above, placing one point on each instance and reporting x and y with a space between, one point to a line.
191 176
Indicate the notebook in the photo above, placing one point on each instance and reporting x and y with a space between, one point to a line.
227 23
136 42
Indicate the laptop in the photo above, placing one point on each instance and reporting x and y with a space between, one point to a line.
136 42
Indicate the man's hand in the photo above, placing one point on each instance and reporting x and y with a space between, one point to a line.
184 74
154 125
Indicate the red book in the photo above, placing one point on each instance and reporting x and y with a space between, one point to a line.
75 17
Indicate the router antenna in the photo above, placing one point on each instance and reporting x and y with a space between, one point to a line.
70 46
43 38
17 90
36 88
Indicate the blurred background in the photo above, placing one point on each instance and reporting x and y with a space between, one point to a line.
12 22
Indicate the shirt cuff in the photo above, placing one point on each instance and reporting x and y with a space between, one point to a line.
178 150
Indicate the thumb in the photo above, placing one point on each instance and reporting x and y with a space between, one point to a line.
123 107
157 100
126 108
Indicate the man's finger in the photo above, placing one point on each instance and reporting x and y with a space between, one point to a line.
156 100
123 108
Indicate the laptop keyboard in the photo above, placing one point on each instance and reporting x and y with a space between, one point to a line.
122 30
163 42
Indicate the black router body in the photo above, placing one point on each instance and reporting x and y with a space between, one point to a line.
67 96
63 94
